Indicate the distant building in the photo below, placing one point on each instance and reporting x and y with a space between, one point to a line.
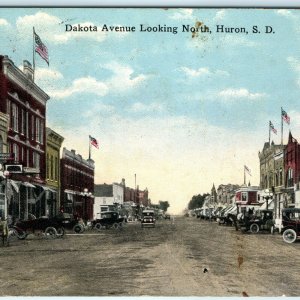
226 193
107 197
77 184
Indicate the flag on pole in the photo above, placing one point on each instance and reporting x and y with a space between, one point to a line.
40 48
285 116
247 170
273 128
94 142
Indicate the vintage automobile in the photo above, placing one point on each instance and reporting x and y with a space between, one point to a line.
69 222
50 227
167 217
148 218
108 219
260 220
290 224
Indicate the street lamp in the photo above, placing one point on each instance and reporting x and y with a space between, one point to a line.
85 194
268 197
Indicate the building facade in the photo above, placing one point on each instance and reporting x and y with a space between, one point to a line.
77 184
272 180
25 104
53 142
108 197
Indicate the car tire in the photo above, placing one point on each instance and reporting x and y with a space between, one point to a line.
98 226
78 228
60 231
254 228
50 232
21 235
289 235
115 225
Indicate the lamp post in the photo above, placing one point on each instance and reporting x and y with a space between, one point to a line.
85 194
268 197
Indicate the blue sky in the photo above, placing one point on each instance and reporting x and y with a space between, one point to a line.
180 112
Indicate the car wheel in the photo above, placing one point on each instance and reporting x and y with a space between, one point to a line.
78 228
115 225
50 232
60 232
289 236
21 235
254 228
98 226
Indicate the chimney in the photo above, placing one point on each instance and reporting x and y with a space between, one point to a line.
27 69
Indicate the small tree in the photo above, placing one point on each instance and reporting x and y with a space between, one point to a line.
164 205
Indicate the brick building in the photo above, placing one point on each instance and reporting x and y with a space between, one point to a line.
77 184
25 104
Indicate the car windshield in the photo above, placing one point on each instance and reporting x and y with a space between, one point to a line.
291 215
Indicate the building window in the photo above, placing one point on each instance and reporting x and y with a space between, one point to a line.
27 158
47 165
42 132
32 127
16 151
37 129
280 177
51 167
14 117
27 124
1 144
23 121
56 168
36 160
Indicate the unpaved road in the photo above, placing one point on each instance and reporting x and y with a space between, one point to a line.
168 260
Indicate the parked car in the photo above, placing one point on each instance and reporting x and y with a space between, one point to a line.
167 217
108 219
261 220
290 224
148 218
49 226
70 222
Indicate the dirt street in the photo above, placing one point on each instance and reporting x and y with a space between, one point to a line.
191 257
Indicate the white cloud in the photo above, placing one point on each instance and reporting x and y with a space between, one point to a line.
203 71
3 22
141 107
123 78
52 29
183 14
294 63
286 13
231 94
47 74
220 15
80 85
98 109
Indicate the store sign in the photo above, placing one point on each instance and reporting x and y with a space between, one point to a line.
14 168
28 170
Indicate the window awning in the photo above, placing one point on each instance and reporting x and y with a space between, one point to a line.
27 184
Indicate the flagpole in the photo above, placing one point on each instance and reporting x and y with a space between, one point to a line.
33 53
281 128
89 147
269 132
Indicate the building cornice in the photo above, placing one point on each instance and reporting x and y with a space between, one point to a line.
15 75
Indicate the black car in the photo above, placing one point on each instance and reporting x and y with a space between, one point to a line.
291 224
261 220
69 222
148 218
108 219
49 226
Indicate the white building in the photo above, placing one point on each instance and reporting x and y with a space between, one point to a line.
107 197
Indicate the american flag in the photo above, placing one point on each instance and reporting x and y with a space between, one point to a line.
94 142
273 128
285 116
40 48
